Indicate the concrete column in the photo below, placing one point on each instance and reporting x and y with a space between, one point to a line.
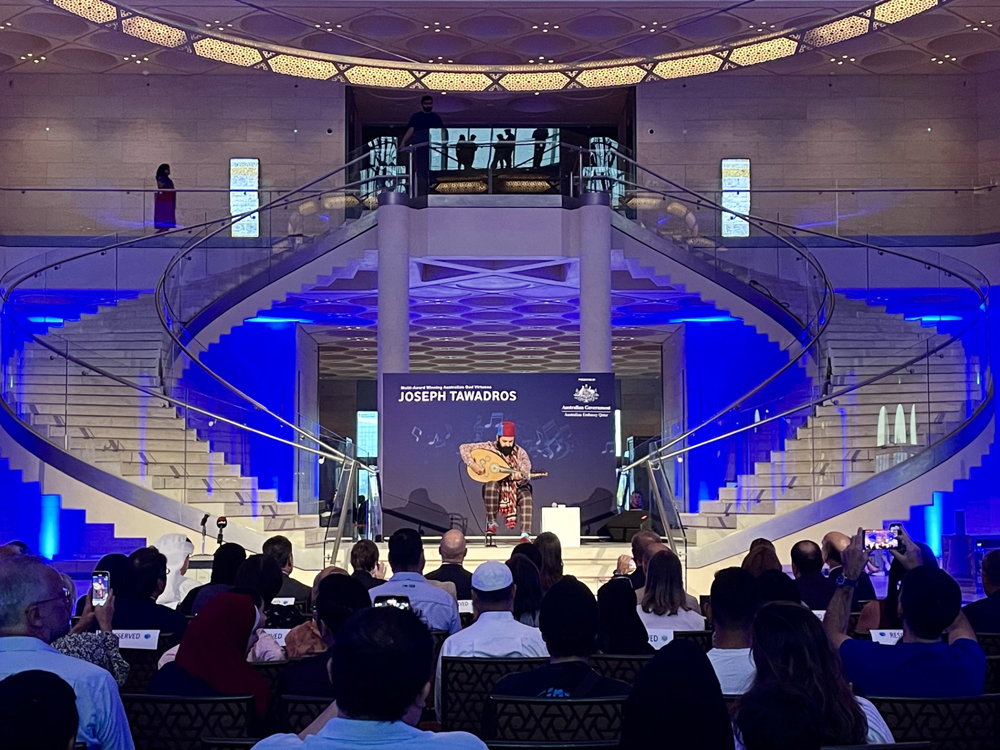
393 290
595 282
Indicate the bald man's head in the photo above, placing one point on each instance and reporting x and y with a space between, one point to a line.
453 547
833 544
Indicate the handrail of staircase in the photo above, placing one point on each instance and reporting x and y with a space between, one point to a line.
662 453
227 222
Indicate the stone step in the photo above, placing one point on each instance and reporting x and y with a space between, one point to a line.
75 399
697 537
741 494
264 502
849 432
213 483
89 420
890 348
914 391
129 357
847 443
836 409
179 470
764 507
138 376
122 338
102 389
82 414
137 444
170 431
292 524
890 360
835 337
920 377
775 477
860 468
151 456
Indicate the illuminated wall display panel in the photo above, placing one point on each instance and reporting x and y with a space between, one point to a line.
735 196
449 152
244 179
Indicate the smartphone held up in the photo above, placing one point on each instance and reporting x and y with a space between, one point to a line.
100 587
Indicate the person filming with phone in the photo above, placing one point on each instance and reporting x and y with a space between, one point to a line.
921 664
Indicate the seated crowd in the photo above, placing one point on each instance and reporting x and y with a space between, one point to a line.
776 675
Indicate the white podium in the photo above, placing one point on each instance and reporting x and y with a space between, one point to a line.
564 523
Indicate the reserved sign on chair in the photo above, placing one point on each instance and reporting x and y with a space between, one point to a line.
146 640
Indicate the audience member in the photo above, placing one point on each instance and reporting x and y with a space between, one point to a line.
790 647
339 597
921 665
779 717
883 614
373 710
263 574
650 551
550 550
21 547
453 552
178 549
435 607
569 623
136 607
665 604
225 562
761 558
620 630
528 588
212 658
815 589
776 586
34 611
833 544
99 648
676 703
38 712
279 548
9 550
119 571
529 551
307 639
734 604
984 615
639 543
367 569
495 633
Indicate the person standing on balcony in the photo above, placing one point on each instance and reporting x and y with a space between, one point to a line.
164 200
418 133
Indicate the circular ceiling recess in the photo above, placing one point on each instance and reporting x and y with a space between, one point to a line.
382 26
54 24
491 57
597 28
707 29
892 60
966 43
334 45
650 45
438 44
270 26
491 27
927 24
548 45
982 62
17 43
121 44
88 59
187 63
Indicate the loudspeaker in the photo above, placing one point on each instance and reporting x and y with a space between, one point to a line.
627 524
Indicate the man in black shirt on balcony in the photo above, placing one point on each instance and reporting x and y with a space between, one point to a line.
418 135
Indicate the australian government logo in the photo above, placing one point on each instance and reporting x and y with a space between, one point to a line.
585 396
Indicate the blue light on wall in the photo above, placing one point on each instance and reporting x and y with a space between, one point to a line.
48 534
934 523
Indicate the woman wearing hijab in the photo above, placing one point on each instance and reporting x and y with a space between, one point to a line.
225 563
212 658
164 200
621 630
676 703
177 548
790 647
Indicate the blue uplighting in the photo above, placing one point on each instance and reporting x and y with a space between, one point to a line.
933 523
48 534
45 320
267 319
935 318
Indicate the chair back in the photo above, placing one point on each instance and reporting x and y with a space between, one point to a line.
296 712
946 723
271 671
702 637
561 720
466 684
992 675
617 667
895 746
143 664
179 723
227 743
438 637
990 643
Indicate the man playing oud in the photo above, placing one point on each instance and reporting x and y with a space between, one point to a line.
505 496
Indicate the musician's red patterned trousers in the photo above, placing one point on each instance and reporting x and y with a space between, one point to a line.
491 497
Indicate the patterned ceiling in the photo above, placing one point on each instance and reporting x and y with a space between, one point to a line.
960 36
473 315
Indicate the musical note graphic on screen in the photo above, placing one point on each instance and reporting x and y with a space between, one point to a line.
498 416
609 447
416 432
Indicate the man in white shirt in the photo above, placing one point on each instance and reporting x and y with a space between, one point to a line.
34 611
436 607
734 604
380 668
495 633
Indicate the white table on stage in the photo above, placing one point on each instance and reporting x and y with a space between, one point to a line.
564 523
